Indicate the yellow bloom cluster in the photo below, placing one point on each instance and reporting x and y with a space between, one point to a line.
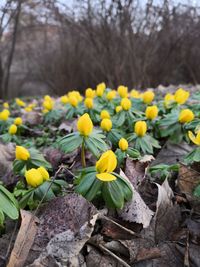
105 165
85 125
35 177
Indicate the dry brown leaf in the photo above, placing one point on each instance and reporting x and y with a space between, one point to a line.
136 210
188 179
135 170
25 239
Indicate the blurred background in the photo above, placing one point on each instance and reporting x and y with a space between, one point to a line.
50 46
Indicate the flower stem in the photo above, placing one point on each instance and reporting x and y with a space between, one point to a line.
83 155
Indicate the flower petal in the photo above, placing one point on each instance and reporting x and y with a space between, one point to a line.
193 138
106 177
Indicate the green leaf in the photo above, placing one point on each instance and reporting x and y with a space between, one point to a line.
96 186
196 192
18 165
116 194
25 199
86 183
70 142
92 146
8 204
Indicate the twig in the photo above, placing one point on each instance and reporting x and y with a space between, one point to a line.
105 250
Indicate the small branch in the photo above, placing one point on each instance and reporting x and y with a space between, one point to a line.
83 155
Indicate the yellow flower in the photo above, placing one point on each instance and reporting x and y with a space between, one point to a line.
85 125
186 115
12 129
122 91
44 173
64 99
5 105
4 114
106 125
123 144
28 109
110 95
47 98
18 121
76 94
126 103
104 114
100 89
118 109
181 96
44 111
33 177
194 139
89 93
151 112
148 97
73 101
140 128
135 94
168 99
88 103
19 102
106 164
48 104
21 153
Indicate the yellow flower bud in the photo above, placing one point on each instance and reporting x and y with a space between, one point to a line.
21 153
122 91
107 162
135 94
194 139
33 177
89 93
73 101
181 96
48 104
12 129
4 114
148 97
47 98
64 99
100 89
88 103
75 94
29 109
126 103
6 105
18 121
140 128
186 115
85 125
118 109
19 102
151 112
123 144
104 114
110 95
44 173
106 125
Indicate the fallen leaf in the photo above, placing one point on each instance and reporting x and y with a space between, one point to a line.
136 210
188 179
24 240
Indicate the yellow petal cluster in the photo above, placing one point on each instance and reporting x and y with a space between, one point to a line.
88 103
48 103
21 153
89 93
122 91
104 114
140 128
123 144
12 129
125 104
6 105
106 125
106 164
151 112
186 115
100 89
194 139
44 173
20 103
135 94
181 96
18 121
148 97
85 125
118 109
64 99
4 115
110 95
